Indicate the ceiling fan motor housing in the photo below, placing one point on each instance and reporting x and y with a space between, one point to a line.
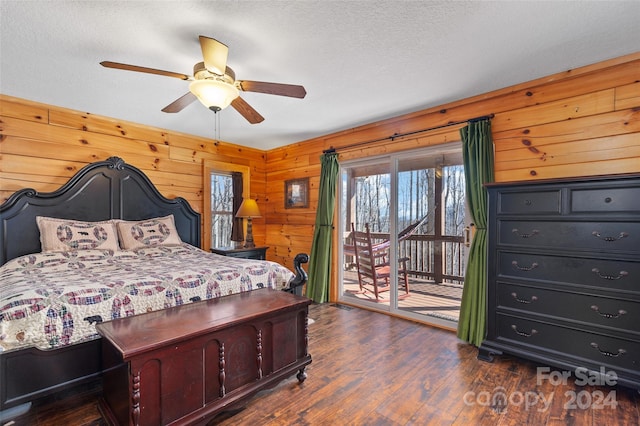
214 91
200 72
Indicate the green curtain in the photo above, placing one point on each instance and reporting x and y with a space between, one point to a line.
320 259
477 154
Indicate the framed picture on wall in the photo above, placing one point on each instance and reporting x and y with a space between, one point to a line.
296 193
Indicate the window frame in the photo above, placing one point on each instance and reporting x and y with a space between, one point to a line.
210 166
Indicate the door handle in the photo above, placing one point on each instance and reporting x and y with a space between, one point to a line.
468 234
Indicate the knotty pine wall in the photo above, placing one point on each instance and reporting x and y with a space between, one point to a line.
580 122
42 146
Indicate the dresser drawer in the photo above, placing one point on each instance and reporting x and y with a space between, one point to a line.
602 200
599 273
601 349
599 236
623 315
538 202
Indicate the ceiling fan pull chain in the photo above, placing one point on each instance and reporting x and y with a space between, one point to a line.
216 126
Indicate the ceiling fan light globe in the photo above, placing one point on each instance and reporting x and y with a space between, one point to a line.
215 95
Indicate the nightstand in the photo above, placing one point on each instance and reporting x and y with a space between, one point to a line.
259 253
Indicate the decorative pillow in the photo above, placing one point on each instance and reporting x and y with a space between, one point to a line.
148 232
68 234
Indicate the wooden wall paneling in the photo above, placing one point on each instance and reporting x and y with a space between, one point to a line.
295 149
82 153
189 193
286 236
40 166
23 110
388 146
547 89
191 155
563 151
628 96
292 173
568 84
626 165
174 180
45 133
602 125
585 151
564 109
293 217
223 151
63 117
26 178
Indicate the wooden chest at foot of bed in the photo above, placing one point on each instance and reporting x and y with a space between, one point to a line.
185 364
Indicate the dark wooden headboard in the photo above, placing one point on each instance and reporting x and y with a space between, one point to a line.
103 190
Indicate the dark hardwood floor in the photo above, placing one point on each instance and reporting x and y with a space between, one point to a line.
372 369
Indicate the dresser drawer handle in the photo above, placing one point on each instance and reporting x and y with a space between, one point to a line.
534 265
609 277
533 233
606 315
606 353
522 333
610 239
526 302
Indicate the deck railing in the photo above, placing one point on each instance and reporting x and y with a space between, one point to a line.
441 259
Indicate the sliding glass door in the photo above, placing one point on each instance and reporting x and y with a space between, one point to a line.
410 207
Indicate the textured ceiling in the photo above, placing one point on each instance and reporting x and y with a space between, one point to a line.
360 61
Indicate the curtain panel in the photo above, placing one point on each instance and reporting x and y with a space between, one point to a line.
321 247
477 153
237 234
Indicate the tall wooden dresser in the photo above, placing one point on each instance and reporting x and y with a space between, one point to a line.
564 274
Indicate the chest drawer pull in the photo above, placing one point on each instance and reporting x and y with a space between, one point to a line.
606 315
606 353
522 333
610 239
609 277
533 233
526 302
515 265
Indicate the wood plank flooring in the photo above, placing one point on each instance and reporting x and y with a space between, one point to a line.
373 369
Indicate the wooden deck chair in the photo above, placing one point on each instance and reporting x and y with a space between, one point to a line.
402 235
373 266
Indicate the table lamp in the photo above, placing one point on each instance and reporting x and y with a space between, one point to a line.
249 209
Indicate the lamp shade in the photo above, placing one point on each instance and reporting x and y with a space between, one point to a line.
214 94
248 208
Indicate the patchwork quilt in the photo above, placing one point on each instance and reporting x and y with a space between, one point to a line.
53 299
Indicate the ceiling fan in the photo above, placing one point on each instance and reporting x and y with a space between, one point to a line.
215 84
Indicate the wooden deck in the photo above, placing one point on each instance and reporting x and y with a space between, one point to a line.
426 297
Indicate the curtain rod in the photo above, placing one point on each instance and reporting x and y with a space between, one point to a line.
401 135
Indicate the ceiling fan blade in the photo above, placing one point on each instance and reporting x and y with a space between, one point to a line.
247 111
214 54
279 89
180 103
136 68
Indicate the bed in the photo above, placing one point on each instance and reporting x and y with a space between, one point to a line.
50 300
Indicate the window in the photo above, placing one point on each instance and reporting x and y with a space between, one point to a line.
217 197
221 209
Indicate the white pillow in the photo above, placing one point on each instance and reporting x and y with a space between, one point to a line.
148 232
68 234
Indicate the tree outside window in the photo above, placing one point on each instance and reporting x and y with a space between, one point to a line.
221 209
